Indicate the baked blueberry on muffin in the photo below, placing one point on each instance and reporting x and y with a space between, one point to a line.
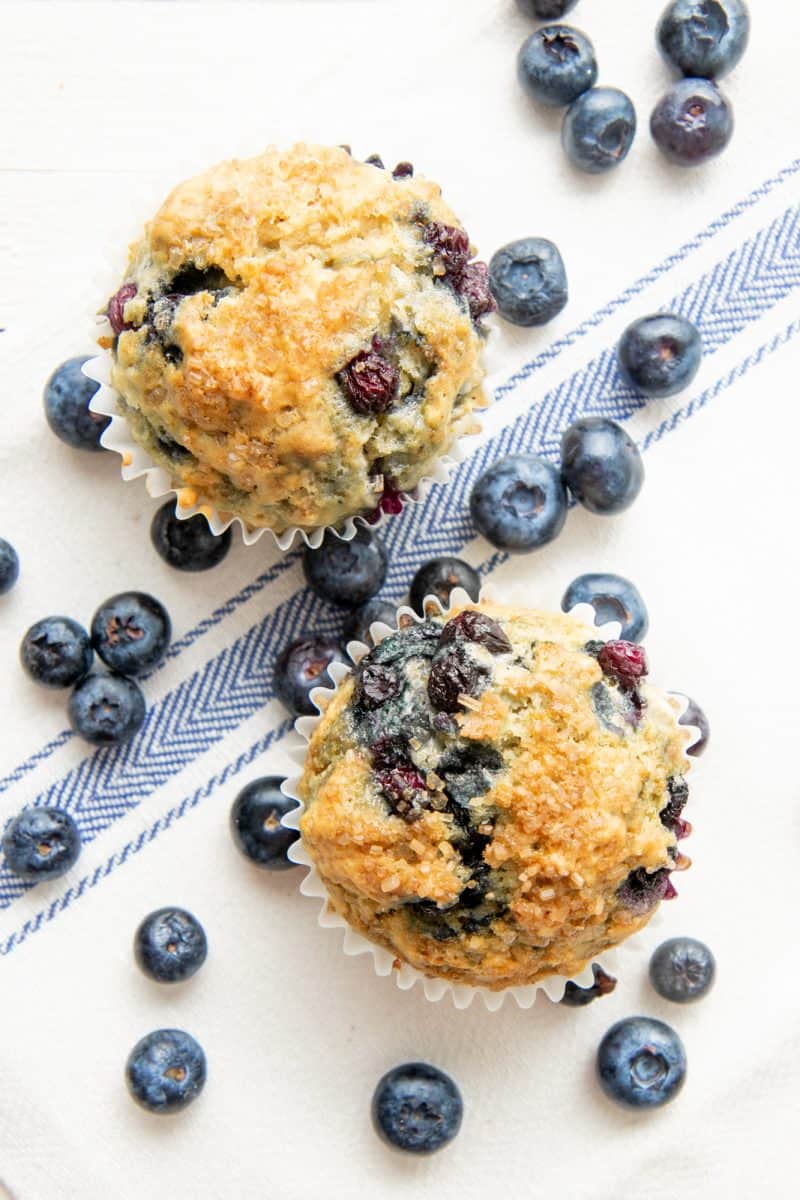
495 797
297 337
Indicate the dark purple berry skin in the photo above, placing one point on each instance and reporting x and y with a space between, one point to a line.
9 566
576 996
450 246
370 382
417 1108
694 715
641 1063
131 632
67 394
624 661
375 160
556 64
439 577
375 685
692 123
106 709
403 170
471 626
41 844
473 286
643 889
601 465
166 1071
454 674
187 545
682 970
670 814
303 666
659 355
546 10
56 652
116 308
347 573
256 823
170 945
398 779
704 37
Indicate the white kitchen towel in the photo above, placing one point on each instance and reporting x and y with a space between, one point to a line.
111 102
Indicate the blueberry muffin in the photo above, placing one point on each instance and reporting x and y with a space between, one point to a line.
298 336
495 797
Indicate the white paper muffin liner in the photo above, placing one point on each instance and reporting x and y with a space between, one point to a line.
618 960
136 463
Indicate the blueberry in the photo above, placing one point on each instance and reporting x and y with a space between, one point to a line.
370 381
555 64
642 890
106 709
454 674
670 815
576 996
116 307
417 1108
704 38
131 632
166 1071
375 685
682 970
519 503
41 844
9 566
694 715
624 661
528 281
401 784
187 545
601 465
613 599
471 626
170 945
641 1063
403 170
375 160
438 577
660 355
303 666
692 123
256 823
473 287
56 652
346 573
358 627
598 130
66 406
546 10
450 246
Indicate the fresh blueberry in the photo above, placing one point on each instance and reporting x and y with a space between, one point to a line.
598 130
131 632
166 1071
641 1063
56 652
682 970
106 709
519 503
555 64
66 406
546 10
660 355
694 715
41 844
358 627
528 281
439 577
256 823
601 465
576 996
613 598
692 123
346 573
704 38
303 666
417 1108
170 945
9 566
187 545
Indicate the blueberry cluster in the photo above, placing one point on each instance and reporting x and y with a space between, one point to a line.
702 40
557 67
130 634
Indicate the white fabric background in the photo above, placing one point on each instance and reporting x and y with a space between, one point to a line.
105 105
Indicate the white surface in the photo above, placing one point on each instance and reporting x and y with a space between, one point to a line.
107 102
